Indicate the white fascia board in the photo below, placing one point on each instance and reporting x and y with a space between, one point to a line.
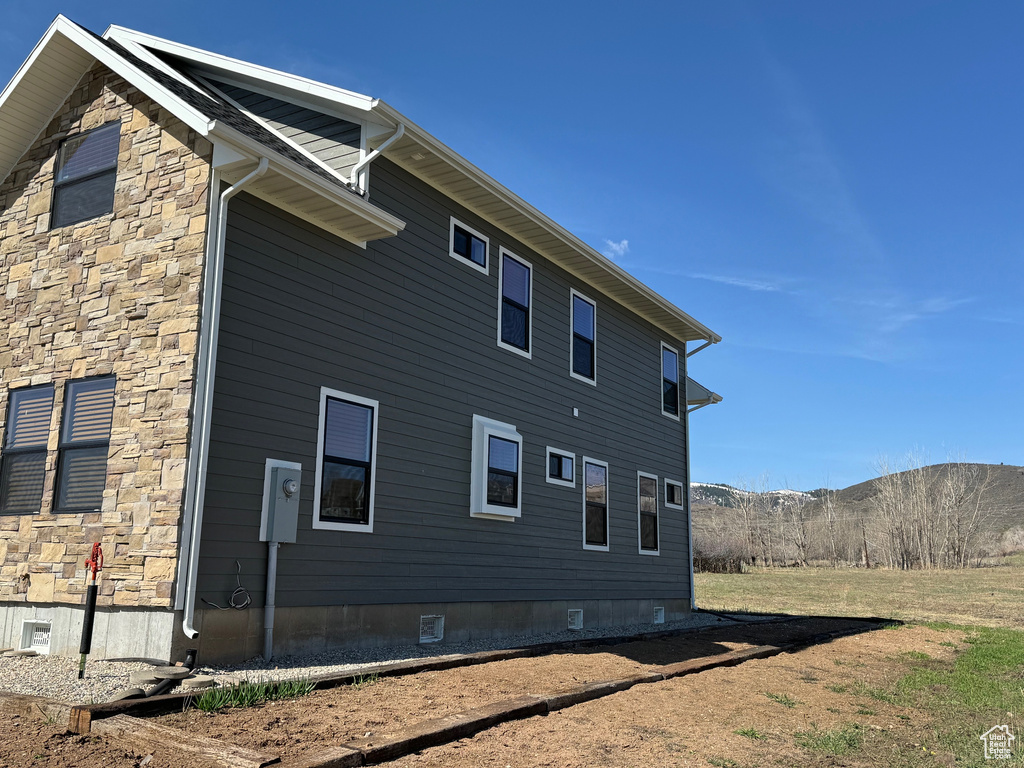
216 62
308 179
386 112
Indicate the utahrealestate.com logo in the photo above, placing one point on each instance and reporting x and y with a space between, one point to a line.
998 743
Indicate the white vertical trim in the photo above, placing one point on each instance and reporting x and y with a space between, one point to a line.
680 397
528 352
462 259
607 506
657 515
331 525
573 294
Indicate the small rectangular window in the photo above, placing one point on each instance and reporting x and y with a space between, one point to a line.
468 246
346 462
495 480
669 381
84 443
23 462
674 494
647 511
583 352
595 504
561 467
516 284
83 187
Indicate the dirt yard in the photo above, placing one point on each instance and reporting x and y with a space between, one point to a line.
691 720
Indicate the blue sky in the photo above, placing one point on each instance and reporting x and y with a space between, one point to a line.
836 189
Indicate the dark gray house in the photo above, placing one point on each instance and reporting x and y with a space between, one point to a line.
332 366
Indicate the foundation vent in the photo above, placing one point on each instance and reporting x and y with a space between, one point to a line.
659 615
431 629
35 635
575 618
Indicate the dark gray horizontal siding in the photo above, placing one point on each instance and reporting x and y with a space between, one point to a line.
404 323
330 139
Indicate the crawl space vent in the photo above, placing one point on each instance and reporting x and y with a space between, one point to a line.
659 615
431 629
575 618
35 635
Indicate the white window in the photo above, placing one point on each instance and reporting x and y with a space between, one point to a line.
83 186
595 504
23 463
84 444
468 246
346 466
674 494
561 467
583 338
515 287
496 483
647 512
669 381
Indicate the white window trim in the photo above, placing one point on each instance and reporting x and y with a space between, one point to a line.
462 259
547 467
528 352
607 506
682 492
661 382
331 525
573 293
639 542
483 429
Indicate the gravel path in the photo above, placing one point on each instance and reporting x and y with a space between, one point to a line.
56 677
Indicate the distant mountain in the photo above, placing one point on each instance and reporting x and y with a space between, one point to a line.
725 495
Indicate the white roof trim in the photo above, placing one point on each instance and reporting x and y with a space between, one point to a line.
244 69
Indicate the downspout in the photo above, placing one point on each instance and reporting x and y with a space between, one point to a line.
354 178
689 508
204 396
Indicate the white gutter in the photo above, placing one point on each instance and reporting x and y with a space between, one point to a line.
354 178
705 345
204 394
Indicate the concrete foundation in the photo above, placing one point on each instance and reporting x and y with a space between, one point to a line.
233 636
118 633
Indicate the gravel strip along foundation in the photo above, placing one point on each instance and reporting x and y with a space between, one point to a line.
56 677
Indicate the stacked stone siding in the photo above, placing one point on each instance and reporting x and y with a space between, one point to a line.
116 295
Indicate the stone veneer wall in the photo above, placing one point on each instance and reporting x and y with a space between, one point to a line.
118 295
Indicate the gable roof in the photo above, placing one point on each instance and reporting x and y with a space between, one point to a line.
166 72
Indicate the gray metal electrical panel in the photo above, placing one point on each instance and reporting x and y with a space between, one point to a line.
280 502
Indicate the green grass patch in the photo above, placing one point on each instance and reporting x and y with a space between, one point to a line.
722 762
782 699
751 733
249 693
866 711
835 741
838 688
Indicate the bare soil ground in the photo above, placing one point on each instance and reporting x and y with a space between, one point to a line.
685 721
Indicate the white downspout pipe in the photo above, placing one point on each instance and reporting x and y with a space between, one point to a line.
689 506
354 178
204 397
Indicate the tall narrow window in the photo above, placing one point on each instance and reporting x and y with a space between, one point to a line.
23 463
647 510
495 480
345 469
584 335
669 381
595 504
84 443
516 282
83 187
468 246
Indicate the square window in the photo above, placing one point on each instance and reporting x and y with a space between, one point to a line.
561 467
495 479
515 286
674 494
583 342
468 246
647 511
346 462
23 462
595 504
83 187
669 381
84 444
